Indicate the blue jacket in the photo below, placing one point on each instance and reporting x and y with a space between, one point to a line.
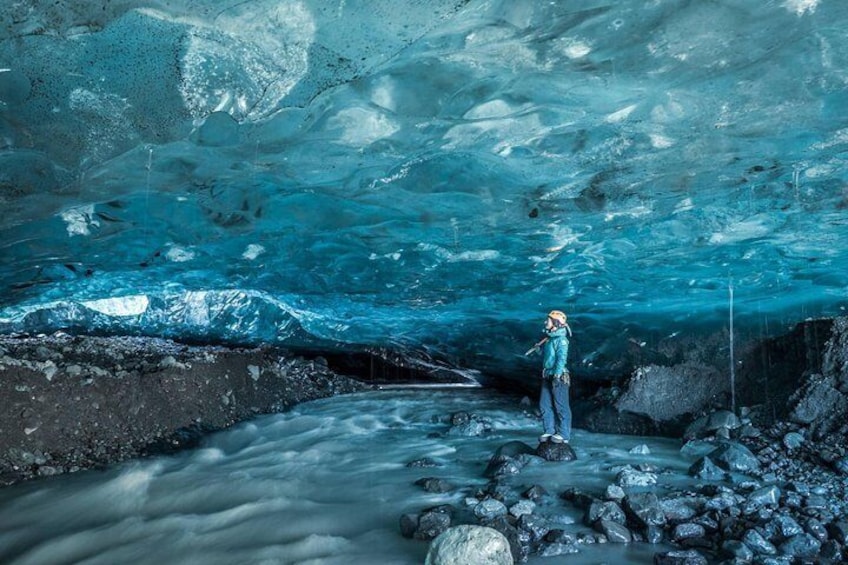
555 352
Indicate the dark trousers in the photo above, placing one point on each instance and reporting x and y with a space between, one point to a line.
556 412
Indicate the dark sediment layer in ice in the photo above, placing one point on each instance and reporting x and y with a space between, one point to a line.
70 403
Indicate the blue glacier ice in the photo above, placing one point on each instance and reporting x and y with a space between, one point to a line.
424 175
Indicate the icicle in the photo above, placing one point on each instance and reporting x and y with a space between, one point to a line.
732 362
147 195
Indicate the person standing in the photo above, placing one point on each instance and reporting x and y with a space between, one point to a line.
556 380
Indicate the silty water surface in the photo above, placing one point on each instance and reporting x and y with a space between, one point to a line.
325 483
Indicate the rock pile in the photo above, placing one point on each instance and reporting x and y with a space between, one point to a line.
757 496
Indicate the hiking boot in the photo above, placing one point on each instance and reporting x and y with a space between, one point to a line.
545 437
556 438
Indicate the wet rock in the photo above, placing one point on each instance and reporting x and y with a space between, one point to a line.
723 500
505 460
815 502
629 477
681 508
556 549
793 440
497 490
641 449
831 552
467 424
785 526
680 557
48 471
465 544
460 418
697 448
665 393
722 420
551 451
528 459
816 529
839 531
766 496
473 428
653 534
748 431
706 470
503 468
817 400
609 511
737 550
735 457
536 526
801 546
559 520
577 497
687 530
432 522
519 540
435 485
490 509
614 493
535 493
708 521
644 509
556 535
521 508
614 531
409 524
841 465
758 544
423 463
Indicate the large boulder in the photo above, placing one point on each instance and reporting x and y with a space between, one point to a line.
732 456
509 459
665 393
463 545
712 424
551 451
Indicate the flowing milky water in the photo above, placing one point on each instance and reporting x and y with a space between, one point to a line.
325 483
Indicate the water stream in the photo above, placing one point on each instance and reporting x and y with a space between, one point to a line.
324 484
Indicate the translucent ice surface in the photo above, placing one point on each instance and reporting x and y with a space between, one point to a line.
433 174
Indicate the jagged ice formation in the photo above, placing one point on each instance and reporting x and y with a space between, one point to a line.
422 174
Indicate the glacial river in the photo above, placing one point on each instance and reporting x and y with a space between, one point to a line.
324 483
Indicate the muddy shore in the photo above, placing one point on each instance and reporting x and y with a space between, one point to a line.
73 402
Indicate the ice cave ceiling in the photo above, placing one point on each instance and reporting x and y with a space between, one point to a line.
432 174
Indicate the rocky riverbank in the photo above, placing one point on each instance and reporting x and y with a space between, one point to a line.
69 403
763 496
769 485
798 376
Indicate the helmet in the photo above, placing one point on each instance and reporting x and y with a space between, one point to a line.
558 317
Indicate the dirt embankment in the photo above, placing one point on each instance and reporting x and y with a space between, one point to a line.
70 403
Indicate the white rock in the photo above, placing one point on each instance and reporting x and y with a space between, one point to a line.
522 507
49 370
641 450
469 545
630 477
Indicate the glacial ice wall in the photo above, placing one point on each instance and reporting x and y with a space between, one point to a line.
423 174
